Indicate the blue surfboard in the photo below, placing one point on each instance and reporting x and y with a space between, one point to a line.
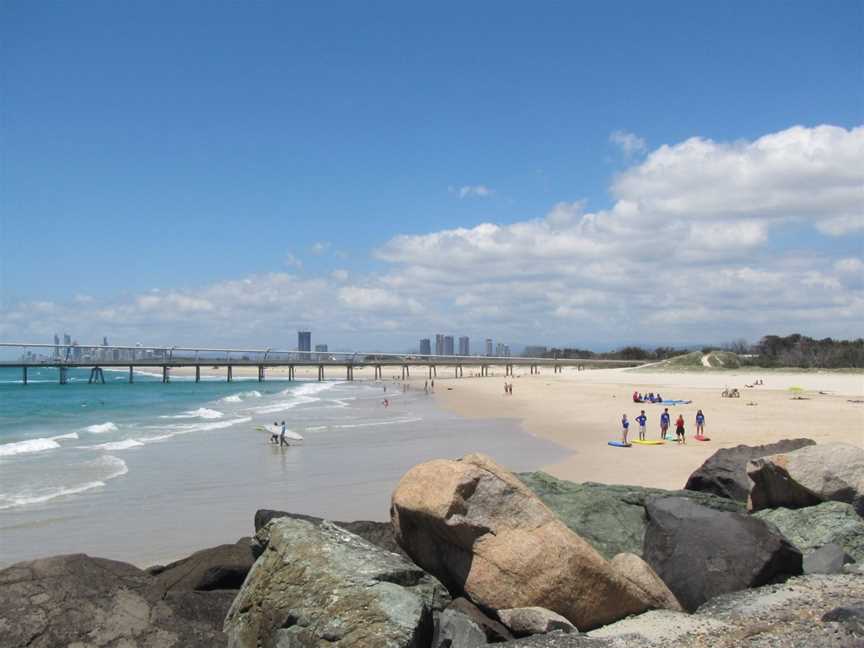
619 444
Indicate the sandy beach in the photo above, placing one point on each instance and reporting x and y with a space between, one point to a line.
581 410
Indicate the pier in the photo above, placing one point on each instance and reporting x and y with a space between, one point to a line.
335 365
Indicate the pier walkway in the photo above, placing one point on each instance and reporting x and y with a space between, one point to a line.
99 357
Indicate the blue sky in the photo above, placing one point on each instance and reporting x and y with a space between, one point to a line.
180 149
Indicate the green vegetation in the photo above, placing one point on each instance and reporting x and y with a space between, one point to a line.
771 352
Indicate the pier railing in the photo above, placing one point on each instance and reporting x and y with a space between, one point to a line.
65 357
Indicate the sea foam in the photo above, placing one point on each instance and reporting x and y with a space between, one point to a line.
26 447
114 467
101 428
126 444
201 412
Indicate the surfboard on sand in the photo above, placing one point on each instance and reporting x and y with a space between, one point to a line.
294 436
700 437
649 442
619 444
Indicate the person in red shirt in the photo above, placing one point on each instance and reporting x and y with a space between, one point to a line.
679 429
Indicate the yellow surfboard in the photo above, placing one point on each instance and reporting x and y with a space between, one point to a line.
648 442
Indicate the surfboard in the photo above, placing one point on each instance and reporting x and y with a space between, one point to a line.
699 437
649 442
294 436
619 444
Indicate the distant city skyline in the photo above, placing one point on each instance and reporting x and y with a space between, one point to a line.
592 174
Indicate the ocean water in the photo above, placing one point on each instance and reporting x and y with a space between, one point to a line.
148 472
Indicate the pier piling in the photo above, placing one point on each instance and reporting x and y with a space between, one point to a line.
24 375
197 373
130 374
260 373
230 373
166 376
63 376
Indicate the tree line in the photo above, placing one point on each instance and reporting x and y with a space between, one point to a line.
794 350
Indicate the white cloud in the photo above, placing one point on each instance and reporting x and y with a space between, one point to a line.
687 252
473 191
320 247
291 261
629 143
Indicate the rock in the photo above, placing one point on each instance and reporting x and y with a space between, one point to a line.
725 472
557 640
812 527
493 630
378 533
454 629
788 615
610 517
638 572
826 560
317 584
806 477
76 600
851 617
855 569
485 535
534 620
700 553
222 567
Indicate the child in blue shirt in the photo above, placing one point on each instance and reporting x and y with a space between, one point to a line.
664 423
641 420
700 423
625 427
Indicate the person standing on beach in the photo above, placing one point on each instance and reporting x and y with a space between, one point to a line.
642 419
282 439
664 423
700 423
625 427
679 429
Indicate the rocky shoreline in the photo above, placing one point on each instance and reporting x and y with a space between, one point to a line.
764 547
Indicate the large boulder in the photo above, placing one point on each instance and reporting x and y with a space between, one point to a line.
610 517
493 630
217 568
528 621
725 472
638 572
484 534
805 477
826 560
378 533
76 600
700 553
454 629
815 526
320 584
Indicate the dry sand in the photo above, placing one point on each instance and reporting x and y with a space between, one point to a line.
581 411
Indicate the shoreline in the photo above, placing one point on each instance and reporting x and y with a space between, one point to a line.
581 412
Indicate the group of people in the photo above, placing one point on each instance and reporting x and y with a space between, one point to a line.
277 434
647 398
508 389
665 419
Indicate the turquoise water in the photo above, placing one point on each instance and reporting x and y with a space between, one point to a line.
44 408
149 472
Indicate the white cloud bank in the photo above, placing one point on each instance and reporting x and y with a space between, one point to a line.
686 253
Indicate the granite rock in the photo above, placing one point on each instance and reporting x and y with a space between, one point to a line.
318 584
